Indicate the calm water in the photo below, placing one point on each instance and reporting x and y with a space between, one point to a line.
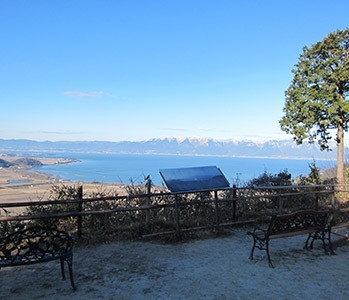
118 168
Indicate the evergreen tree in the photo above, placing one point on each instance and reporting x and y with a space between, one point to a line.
316 99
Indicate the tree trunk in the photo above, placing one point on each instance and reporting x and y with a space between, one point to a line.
340 155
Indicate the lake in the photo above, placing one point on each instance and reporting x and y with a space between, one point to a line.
124 168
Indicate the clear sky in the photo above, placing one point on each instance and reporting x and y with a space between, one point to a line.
141 69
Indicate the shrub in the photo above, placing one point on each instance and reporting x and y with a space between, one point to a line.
60 192
283 178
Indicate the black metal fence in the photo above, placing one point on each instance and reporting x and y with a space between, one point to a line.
162 213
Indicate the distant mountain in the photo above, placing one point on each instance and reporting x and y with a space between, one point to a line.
173 146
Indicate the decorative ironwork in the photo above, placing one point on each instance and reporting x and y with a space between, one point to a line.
341 218
35 245
314 223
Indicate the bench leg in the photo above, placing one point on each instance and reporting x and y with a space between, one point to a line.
324 243
262 245
62 269
268 254
306 245
69 261
70 266
252 250
315 236
330 243
322 236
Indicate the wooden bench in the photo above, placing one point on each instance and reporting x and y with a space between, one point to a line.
36 245
313 223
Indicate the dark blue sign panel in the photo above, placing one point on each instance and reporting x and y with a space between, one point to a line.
194 179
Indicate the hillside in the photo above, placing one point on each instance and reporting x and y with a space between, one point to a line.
189 146
20 162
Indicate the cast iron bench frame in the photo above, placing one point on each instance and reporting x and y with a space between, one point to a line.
340 221
36 245
316 224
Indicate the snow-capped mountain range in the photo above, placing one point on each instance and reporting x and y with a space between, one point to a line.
174 146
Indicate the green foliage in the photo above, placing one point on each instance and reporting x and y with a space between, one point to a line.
315 101
266 179
313 177
262 200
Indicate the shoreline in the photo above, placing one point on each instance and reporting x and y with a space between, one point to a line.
170 154
22 183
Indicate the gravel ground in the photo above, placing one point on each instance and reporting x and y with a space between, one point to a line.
216 268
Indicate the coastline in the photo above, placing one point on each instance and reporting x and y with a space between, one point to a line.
24 183
25 180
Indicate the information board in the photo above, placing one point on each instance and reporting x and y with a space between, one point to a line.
194 179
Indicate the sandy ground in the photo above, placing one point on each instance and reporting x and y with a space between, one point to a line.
216 268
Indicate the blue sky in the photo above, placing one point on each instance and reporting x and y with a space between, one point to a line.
136 70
